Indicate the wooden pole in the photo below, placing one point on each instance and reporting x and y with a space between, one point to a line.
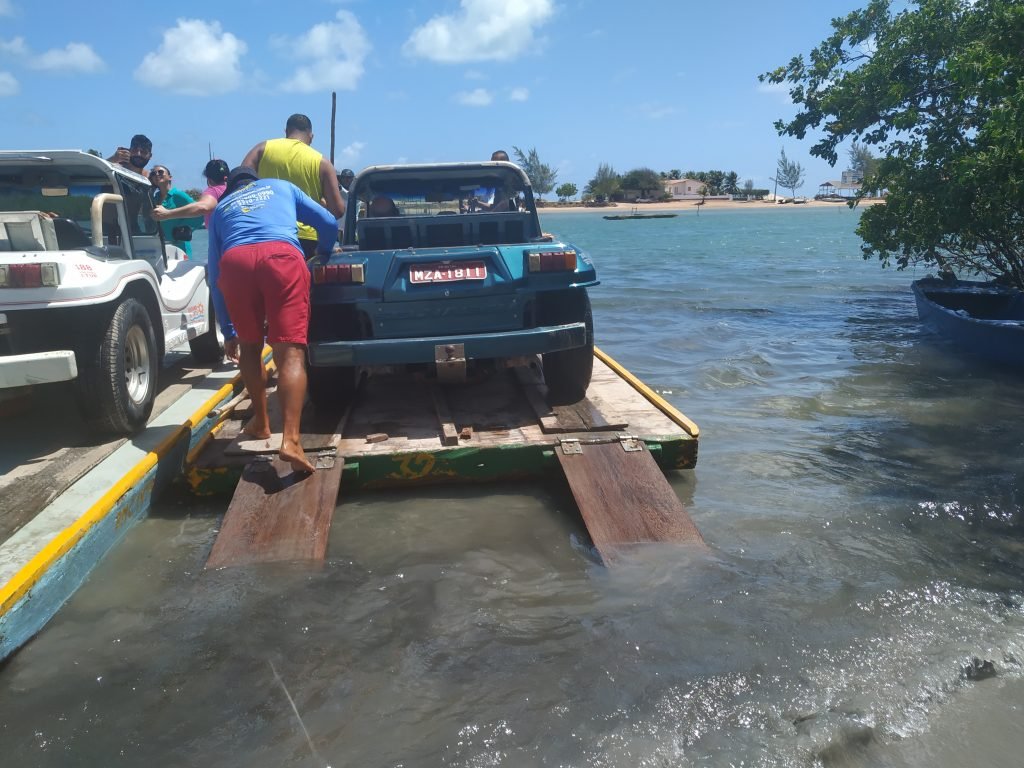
334 111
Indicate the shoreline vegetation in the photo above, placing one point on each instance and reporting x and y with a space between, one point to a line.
691 206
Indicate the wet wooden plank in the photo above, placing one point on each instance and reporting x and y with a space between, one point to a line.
277 514
624 498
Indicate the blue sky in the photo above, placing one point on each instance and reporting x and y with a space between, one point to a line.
667 85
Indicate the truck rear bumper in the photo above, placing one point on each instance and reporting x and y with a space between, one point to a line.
477 346
37 368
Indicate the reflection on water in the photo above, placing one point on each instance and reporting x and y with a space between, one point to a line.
858 486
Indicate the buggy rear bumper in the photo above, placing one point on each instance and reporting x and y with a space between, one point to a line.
477 346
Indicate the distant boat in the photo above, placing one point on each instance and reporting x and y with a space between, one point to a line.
636 215
984 319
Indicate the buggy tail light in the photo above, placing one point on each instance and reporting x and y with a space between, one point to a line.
34 275
552 261
339 273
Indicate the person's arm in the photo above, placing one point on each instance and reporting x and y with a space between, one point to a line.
332 195
121 157
253 156
180 199
220 307
204 205
312 214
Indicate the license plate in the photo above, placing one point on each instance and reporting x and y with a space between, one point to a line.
447 273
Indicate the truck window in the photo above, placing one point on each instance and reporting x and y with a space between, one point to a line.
138 206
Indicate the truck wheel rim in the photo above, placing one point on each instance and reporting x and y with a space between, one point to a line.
136 364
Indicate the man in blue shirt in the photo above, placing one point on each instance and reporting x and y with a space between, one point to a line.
258 277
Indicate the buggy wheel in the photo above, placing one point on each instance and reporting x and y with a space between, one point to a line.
567 373
117 386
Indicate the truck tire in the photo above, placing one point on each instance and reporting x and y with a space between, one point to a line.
207 347
117 386
567 373
331 389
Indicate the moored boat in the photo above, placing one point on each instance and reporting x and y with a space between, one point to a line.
983 318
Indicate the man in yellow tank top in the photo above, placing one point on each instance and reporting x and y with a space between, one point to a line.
293 159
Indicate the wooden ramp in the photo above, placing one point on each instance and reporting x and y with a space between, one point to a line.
276 514
623 496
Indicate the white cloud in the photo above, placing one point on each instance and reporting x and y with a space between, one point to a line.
8 85
194 59
483 30
353 150
767 87
6 9
519 94
74 57
14 47
478 97
334 52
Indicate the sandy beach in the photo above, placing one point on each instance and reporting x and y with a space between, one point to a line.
689 206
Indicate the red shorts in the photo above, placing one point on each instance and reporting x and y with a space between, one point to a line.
266 283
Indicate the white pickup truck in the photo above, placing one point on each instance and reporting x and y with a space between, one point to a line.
89 290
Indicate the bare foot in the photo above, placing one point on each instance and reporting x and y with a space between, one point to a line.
294 455
257 431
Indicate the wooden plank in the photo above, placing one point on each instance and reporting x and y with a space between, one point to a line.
584 416
624 498
318 434
531 384
598 420
277 514
449 434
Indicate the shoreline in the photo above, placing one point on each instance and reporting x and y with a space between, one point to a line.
690 206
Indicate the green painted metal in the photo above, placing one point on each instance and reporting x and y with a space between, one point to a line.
451 465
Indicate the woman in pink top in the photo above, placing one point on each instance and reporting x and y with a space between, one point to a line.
216 173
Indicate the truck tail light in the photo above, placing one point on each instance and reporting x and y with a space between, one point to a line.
339 273
34 275
552 261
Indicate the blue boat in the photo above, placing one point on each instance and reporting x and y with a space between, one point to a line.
985 319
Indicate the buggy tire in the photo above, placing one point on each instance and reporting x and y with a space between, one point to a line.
207 347
331 388
117 385
567 373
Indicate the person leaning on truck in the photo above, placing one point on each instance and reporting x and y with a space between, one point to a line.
259 276
293 159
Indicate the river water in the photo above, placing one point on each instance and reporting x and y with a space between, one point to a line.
859 486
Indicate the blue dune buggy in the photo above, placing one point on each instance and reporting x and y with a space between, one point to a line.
444 268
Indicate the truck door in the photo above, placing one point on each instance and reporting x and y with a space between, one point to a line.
146 238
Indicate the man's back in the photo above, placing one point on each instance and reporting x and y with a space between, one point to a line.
264 211
297 162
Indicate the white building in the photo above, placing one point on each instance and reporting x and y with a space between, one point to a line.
688 189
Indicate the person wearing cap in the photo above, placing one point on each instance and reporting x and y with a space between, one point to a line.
293 159
259 278
344 182
216 173
136 156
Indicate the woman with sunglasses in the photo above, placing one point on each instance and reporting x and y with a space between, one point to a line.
168 196
216 173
